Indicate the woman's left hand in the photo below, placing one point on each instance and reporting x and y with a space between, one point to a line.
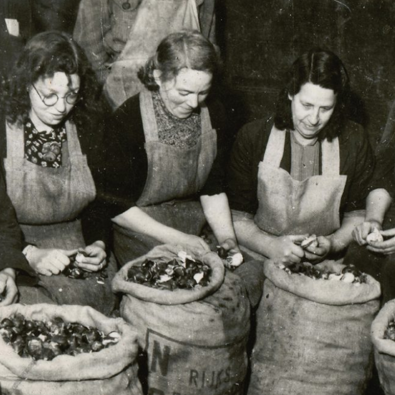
230 246
319 253
385 247
8 288
96 257
361 231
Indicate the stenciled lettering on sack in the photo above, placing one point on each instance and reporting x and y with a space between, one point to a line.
180 368
213 380
160 357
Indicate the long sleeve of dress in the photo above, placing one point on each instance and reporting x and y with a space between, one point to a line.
126 167
119 173
384 175
10 235
96 218
247 152
357 162
216 182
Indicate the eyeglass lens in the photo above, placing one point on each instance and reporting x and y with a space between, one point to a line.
53 98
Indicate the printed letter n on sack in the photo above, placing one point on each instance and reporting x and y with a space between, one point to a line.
160 357
179 367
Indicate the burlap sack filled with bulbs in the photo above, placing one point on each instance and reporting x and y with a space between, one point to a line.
313 336
384 349
194 339
112 370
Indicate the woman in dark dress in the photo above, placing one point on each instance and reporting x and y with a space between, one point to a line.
165 151
304 171
12 260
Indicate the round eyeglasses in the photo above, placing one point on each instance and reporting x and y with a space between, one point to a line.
53 98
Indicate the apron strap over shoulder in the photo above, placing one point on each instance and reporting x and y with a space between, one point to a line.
331 157
205 118
73 142
330 152
275 147
174 173
148 116
15 141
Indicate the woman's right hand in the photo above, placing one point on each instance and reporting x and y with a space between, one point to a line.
192 241
361 232
48 261
387 246
230 246
284 250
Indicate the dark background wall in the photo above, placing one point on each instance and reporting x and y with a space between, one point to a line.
261 38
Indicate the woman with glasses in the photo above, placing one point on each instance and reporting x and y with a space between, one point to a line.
50 142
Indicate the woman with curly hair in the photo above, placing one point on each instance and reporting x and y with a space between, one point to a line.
304 171
50 147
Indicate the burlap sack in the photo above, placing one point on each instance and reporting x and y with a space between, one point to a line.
384 349
196 345
312 335
110 371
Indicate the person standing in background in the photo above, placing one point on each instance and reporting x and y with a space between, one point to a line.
54 15
119 36
15 29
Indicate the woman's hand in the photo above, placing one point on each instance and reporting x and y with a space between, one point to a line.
230 246
385 247
8 288
48 261
284 250
95 259
193 242
361 232
320 252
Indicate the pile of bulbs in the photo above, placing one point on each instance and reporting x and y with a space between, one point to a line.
182 272
47 339
350 274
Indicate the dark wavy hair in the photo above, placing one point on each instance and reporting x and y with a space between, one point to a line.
320 67
184 49
43 56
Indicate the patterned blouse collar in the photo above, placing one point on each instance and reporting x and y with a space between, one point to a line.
44 148
179 132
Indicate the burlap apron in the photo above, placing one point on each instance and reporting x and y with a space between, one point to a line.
47 202
173 175
291 207
155 20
